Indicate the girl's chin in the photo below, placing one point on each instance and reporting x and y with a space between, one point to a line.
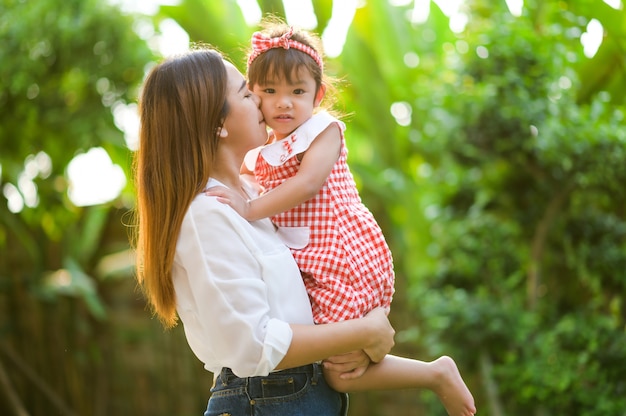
280 133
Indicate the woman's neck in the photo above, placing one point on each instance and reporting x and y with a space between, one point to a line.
229 179
227 170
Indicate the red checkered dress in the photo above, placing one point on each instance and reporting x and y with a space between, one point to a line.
346 265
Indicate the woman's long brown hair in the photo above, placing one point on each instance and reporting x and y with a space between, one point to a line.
182 105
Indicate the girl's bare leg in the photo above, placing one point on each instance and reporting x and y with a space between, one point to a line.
394 373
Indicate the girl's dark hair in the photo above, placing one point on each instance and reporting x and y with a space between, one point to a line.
280 63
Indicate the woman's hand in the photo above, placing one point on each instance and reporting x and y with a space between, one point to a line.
349 366
383 333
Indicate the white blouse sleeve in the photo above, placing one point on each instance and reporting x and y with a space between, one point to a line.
222 297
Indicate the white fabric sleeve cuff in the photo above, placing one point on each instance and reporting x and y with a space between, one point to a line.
277 341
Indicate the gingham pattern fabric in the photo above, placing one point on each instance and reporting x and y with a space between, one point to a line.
347 265
262 43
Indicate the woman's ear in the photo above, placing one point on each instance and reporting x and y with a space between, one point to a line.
320 95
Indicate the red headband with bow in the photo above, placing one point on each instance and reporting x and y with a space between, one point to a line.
262 43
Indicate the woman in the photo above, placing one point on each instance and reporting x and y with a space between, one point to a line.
309 192
233 283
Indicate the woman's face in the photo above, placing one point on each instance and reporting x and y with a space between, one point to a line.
244 121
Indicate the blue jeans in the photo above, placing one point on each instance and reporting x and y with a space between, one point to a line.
300 391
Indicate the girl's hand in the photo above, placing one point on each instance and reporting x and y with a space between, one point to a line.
229 197
350 366
383 333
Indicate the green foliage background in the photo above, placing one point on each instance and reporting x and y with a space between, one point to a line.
502 198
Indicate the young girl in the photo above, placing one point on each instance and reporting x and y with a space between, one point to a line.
311 196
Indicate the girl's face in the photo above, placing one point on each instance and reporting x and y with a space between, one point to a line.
287 105
244 121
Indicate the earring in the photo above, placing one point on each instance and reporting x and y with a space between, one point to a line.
222 132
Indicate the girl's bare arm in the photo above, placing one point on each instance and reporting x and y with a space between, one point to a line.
317 163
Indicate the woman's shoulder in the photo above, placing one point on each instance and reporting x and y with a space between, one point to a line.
206 208
207 215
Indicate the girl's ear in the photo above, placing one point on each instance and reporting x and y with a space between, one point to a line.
320 95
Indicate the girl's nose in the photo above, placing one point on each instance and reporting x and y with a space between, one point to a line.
283 102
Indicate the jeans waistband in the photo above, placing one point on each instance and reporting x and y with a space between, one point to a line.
312 370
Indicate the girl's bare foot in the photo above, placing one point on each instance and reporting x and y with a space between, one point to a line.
451 389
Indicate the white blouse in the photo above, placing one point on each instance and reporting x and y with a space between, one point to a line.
237 289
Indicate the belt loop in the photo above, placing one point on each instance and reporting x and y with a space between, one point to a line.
316 373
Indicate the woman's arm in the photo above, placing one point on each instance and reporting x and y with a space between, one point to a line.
238 286
317 163
373 334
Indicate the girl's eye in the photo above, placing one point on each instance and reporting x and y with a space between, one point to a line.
269 90
298 91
